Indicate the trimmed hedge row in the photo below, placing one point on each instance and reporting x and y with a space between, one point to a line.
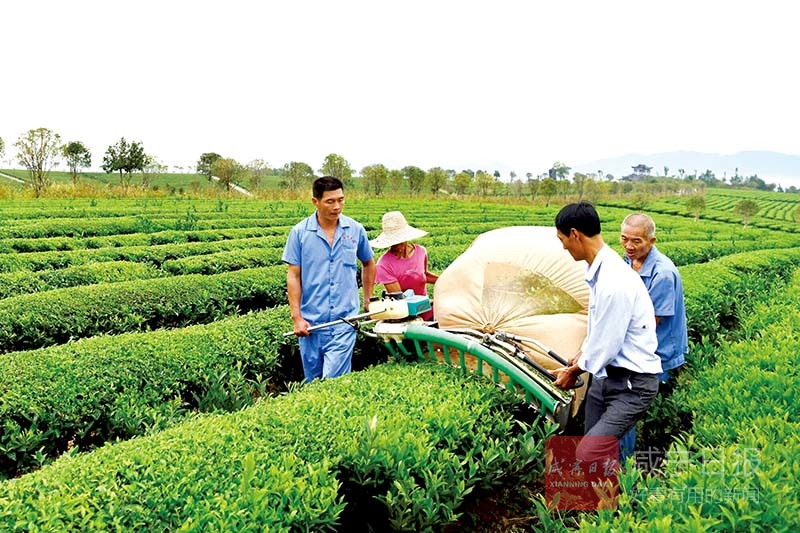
396 457
93 227
440 257
716 291
84 393
738 470
139 254
52 244
27 282
224 261
53 317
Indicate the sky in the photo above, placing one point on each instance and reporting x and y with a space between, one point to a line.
510 85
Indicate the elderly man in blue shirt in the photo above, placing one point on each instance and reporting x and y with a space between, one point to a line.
322 253
620 346
663 282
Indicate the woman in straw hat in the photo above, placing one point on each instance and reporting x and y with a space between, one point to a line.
405 265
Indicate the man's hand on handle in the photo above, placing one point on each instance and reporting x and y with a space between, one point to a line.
301 326
566 376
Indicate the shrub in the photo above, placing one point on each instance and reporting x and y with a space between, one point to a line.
114 387
400 457
27 282
53 317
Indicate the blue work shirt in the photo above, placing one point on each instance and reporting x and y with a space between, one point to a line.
622 326
663 282
327 273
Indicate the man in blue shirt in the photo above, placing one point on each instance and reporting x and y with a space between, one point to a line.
322 253
663 282
620 346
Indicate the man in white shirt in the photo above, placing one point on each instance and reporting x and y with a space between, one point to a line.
620 346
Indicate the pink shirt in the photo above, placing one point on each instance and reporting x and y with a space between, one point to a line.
408 272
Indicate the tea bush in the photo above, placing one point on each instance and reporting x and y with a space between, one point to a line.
737 471
84 393
301 461
224 261
53 317
27 282
51 244
154 254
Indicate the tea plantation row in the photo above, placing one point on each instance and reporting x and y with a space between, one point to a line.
712 286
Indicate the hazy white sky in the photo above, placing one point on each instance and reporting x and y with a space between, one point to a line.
514 85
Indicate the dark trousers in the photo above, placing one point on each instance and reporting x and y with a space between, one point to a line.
613 405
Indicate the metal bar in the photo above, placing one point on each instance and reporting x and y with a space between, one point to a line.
346 320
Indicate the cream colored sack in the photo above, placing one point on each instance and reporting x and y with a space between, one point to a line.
518 280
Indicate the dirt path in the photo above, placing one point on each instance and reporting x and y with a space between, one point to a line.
235 187
10 177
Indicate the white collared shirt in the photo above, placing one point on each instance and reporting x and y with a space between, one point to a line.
622 323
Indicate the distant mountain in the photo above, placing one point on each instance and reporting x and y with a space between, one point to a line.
772 167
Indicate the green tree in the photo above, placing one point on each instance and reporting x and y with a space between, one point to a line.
298 175
561 170
437 178
256 170
640 201
518 187
152 168
375 178
548 189
124 157
709 178
2 147
78 157
462 182
696 204
746 209
38 151
337 166
593 189
416 178
533 186
579 179
483 182
228 171
396 180
204 164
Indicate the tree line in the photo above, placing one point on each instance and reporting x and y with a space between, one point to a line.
41 149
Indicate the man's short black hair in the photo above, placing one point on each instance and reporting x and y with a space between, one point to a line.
582 216
326 183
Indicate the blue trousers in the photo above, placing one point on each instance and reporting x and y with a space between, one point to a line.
327 353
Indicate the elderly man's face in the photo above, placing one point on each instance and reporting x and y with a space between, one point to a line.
636 243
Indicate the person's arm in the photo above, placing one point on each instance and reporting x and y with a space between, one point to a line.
393 287
663 294
294 290
430 277
368 280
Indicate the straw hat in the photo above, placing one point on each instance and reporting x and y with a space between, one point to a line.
395 230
